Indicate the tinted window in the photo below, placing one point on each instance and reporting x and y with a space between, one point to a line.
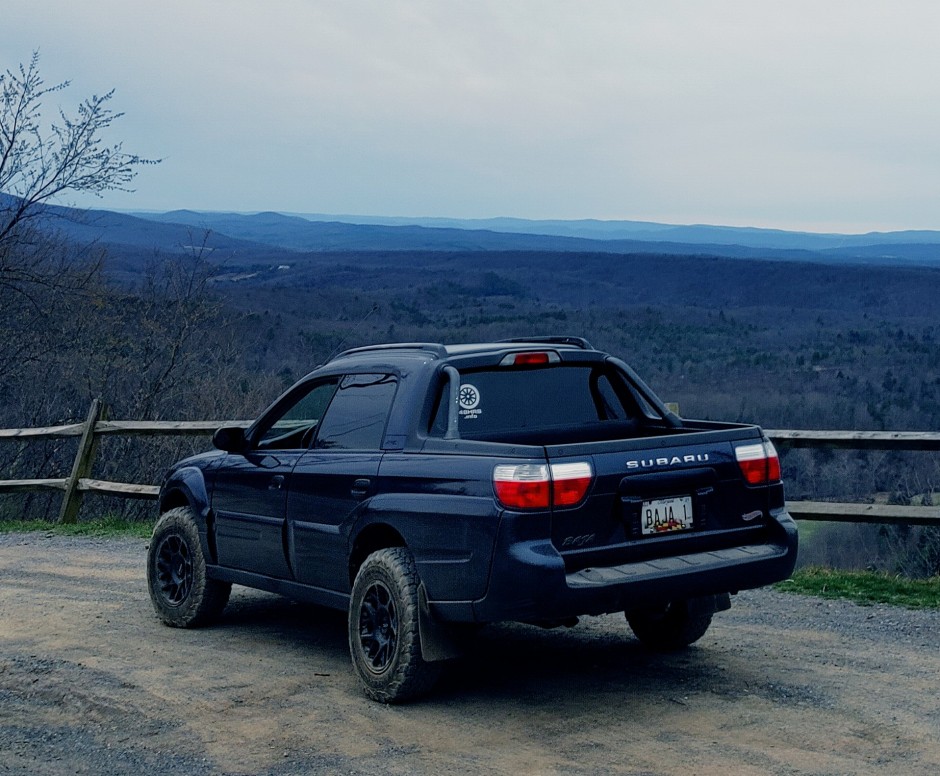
295 426
497 400
356 417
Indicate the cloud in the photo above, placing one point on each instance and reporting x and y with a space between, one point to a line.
800 114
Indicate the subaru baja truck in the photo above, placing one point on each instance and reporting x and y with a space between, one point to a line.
429 489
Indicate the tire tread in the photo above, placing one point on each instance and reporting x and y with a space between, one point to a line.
411 676
208 597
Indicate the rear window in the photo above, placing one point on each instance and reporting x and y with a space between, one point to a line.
502 400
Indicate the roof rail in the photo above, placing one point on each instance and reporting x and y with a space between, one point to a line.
432 347
579 342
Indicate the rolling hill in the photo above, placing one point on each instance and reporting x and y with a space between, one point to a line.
314 232
262 236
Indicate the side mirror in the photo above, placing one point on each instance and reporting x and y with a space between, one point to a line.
231 439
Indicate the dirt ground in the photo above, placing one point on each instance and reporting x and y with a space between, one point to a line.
91 682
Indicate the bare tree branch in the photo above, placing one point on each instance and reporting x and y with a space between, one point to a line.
39 163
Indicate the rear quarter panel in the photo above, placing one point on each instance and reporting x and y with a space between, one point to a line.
445 509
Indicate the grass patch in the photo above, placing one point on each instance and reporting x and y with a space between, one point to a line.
865 587
106 526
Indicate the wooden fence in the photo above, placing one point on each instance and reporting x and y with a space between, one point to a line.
860 440
96 425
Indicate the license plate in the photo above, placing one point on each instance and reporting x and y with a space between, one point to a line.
665 515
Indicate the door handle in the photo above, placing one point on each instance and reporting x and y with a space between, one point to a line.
277 482
360 488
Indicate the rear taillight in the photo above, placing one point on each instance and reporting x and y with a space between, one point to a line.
538 486
523 486
570 482
759 462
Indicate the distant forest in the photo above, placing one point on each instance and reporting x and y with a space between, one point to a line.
781 343
209 316
784 344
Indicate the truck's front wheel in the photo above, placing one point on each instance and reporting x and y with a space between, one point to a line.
182 594
670 627
384 636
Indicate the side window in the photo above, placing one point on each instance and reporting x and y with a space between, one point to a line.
357 415
295 427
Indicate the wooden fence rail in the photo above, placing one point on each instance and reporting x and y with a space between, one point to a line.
923 441
96 424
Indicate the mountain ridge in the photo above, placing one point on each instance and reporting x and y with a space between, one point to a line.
271 233
436 233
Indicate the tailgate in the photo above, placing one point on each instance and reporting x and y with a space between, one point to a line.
658 497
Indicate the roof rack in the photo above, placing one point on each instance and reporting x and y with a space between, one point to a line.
432 347
579 342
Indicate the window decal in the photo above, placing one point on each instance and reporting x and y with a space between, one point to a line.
469 401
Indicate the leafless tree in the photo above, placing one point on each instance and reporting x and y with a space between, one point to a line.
41 160
44 279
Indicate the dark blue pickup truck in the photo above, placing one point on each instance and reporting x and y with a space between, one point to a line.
427 489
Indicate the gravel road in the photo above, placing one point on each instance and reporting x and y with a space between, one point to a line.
91 682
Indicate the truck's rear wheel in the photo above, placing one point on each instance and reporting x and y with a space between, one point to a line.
670 627
384 636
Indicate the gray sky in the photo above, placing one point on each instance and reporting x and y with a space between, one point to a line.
820 115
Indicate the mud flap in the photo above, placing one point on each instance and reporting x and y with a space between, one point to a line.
709 604
437 642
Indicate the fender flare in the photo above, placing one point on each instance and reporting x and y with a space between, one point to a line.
187 486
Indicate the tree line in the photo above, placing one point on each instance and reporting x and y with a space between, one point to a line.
793 346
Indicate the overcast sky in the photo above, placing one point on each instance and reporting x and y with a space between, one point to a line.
822 116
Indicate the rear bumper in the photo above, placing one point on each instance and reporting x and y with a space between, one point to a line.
529 580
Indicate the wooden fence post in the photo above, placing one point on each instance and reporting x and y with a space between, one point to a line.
81 468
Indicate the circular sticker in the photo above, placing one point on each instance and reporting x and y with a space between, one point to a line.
469 397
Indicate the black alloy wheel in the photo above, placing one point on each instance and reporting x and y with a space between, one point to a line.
384 630
182 593
378 627
174 569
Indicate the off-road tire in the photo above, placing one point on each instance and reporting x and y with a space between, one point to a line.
181 593
384 637
669 628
